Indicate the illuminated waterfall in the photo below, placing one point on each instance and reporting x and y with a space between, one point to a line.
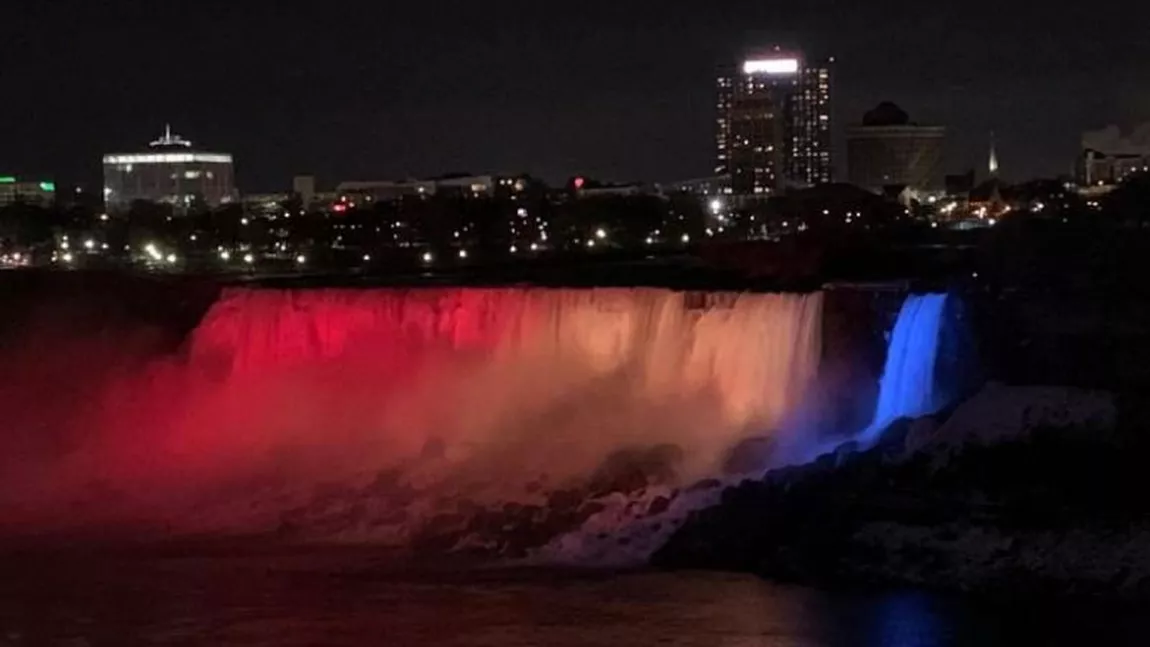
475 393
907 388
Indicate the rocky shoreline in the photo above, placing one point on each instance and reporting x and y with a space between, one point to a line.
1019 490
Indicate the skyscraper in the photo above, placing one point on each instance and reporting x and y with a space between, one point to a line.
774 124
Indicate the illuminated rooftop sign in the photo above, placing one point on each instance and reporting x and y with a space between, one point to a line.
7 179
771 66
169 158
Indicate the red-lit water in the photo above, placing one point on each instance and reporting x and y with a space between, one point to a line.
487 393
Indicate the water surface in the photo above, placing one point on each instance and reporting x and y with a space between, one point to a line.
349 598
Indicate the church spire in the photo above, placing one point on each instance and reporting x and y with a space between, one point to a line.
993 165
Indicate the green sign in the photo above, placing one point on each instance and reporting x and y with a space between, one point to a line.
7 179
49 187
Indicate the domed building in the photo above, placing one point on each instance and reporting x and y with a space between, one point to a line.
171 172
887 150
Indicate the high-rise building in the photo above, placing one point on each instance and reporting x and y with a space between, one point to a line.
774 124
170 172
888 150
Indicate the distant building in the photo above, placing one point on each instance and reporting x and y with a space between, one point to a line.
704 186
774 124
169 172
617 191
462 185
13 190
303 186
888 150
1108 156
266 204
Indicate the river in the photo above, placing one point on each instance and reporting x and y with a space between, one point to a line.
337 598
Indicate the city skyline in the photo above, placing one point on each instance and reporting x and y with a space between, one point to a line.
603 90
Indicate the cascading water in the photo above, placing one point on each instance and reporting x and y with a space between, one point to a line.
907 388
391 415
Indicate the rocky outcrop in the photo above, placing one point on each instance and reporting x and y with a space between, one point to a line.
1004 413
616 515
1037 499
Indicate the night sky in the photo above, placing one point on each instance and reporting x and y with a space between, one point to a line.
621 90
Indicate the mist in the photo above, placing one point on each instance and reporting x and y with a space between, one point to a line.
488 394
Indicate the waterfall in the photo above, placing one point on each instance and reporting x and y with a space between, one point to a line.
907 388
368 414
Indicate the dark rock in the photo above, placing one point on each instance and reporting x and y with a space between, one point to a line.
564 500
592 508
845 452
749 456
629 470
708 484
980 523
445 522
893 438
663 463
659 506
287 530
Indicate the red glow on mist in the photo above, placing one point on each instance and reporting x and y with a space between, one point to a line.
311 386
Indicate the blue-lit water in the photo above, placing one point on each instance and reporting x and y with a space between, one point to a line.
907 389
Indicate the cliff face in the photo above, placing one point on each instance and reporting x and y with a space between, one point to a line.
1048 502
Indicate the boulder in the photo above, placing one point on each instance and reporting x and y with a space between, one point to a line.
1002 413
750 455
631 470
